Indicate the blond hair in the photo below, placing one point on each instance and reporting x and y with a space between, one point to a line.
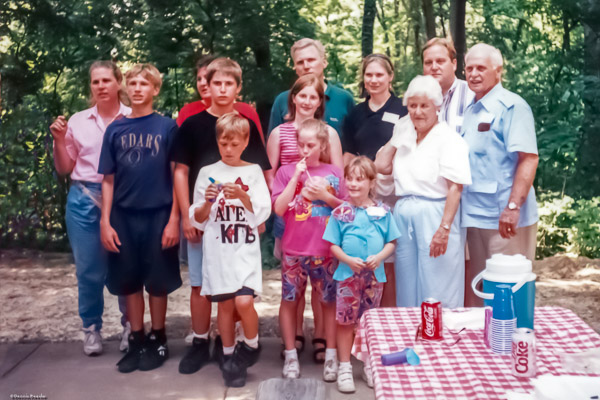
322 133
148 71
306 42
232 124
116 71
444 42
226 66
363 167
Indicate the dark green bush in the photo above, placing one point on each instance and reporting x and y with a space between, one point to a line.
568 225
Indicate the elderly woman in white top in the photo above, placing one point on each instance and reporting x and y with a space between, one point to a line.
430 165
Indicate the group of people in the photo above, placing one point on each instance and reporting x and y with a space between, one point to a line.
385 203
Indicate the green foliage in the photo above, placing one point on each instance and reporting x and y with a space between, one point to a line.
46 47
568 225
32 213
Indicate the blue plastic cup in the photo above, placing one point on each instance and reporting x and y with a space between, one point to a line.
406 356
503 306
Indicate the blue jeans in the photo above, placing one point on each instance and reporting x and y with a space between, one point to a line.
83 229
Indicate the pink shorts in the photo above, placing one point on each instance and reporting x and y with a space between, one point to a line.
355 295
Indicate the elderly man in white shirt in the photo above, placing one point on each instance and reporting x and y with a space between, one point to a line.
430 165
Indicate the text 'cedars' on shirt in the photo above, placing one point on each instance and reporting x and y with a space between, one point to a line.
136 151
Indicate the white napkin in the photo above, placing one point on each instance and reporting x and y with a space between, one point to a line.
473 318
586 361
553 387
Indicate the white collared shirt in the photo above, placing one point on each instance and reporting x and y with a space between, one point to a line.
456 101
422 169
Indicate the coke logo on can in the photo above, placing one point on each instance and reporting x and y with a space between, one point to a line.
431 319
523 353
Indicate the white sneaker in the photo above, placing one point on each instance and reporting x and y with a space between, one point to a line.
367 376
124 345
92 341
291 368
330 370
345 380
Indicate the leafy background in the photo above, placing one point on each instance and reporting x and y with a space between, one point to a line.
46 47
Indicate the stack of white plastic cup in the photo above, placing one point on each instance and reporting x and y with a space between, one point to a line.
504 320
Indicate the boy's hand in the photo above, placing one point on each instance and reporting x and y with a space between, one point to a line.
192 234
300 168
212 191
356 264
233 191
170 236
373 262
109 238
59 128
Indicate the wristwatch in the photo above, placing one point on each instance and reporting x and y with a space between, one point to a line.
513 206
445 226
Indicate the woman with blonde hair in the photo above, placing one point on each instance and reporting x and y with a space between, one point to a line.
77 146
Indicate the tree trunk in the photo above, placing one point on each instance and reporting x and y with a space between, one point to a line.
589 162
370 9
429 18
457 30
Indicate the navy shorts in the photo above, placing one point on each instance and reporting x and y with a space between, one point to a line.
244 291
142 262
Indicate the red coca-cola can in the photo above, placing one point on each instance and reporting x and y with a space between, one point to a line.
431 319
523 353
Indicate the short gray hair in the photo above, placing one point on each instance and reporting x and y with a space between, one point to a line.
494 55
424 86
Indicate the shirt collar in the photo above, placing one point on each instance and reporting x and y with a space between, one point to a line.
328 90
452 88
123 112
385 105
487 100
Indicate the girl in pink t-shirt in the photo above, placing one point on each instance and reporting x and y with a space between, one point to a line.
304 194
305 101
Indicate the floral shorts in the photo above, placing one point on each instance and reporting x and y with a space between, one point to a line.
295 271
355 295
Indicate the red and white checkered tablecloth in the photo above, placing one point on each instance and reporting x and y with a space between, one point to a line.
468 369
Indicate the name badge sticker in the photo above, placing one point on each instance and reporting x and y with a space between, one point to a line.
390 117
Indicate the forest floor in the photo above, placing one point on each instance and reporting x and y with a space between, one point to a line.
38 297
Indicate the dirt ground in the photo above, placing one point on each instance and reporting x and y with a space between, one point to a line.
38 297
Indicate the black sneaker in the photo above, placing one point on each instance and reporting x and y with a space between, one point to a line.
217 354
154 354
131 360
196 357
234 369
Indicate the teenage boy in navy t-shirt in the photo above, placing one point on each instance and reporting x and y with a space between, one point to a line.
196 147
140 219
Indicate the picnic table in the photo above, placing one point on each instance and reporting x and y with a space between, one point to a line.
466 369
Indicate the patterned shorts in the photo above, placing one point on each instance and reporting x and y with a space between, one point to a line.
295 271
355 295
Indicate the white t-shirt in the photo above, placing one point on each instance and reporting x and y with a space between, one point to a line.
230 244
422 170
